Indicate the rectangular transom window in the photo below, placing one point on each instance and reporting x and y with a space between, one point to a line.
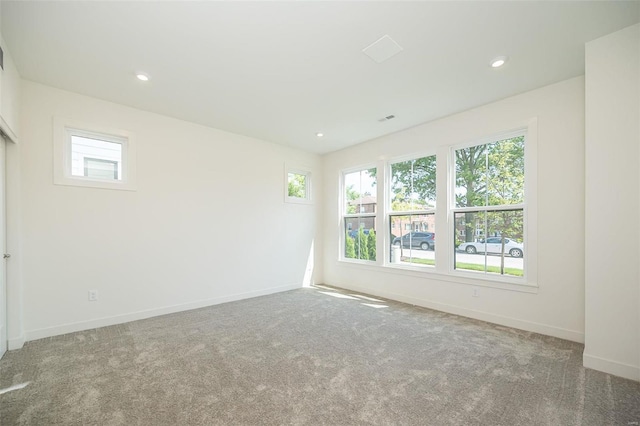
489 207
93 157
359 215
412 212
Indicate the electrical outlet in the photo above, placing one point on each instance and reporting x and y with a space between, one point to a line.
93 295
476 293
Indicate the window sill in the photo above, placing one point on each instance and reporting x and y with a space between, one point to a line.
358 262
456 277
91 183
294 200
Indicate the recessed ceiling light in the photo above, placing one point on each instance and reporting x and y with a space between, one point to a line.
319 134
142 77
498 62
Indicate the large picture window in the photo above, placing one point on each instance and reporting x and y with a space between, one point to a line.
412 212
489 207
486 220
359 215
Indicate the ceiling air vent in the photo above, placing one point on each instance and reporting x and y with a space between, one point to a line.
382 49
388 117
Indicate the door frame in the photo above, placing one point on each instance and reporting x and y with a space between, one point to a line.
13 238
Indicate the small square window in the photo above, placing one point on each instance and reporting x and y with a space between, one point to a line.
298 186
93 157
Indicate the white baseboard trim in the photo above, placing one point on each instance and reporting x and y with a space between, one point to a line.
16 343
611 367
134 316
548 330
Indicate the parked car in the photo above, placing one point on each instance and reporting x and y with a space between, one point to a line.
493 245
424 240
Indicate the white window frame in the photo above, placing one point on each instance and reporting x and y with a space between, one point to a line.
444 270
304 171
529 207
388 213
65 129
342 206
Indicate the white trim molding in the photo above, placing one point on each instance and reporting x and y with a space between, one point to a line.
16 343
535 327
149 313
609 366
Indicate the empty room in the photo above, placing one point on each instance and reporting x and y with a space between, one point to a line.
226 213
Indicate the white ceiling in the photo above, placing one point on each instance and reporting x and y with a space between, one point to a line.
283 71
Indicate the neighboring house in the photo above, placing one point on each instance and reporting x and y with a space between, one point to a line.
366 204
400 225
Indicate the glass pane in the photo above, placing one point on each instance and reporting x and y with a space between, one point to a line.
360 191
297 185
490 174
95 158
100 169
413 239
490 242
413 184
360 238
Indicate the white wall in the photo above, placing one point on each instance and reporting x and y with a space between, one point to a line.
10 84
557 307
612 204
207 224
9 95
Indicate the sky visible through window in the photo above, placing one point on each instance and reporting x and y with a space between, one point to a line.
94 149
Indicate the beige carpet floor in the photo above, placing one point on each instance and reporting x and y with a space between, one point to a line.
309 357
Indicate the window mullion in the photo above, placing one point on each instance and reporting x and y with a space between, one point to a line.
488 208
411 212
